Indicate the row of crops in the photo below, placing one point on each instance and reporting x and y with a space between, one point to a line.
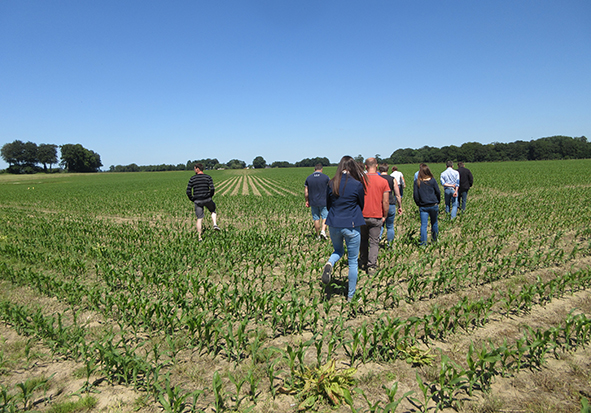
106 270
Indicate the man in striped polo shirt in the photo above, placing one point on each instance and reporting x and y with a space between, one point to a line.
200 190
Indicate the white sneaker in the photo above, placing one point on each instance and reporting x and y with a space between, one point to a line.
323 235
326 273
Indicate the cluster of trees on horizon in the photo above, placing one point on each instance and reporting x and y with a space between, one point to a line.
25 157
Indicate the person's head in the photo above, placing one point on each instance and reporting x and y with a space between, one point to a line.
351 168
318 167
371 164
198 166
460 164
394 168
424 174
449 164
383 168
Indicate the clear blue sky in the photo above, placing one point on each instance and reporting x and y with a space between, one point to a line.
152 82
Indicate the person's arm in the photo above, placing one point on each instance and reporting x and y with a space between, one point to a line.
415 193
190 191
397 197
385 204
211 187
437 193
306 194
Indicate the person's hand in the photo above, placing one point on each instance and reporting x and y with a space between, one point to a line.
400 211
307 204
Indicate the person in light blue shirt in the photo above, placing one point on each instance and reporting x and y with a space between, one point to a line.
450 180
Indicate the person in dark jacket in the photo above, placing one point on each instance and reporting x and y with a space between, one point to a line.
200 190
466 181
345 200
427 196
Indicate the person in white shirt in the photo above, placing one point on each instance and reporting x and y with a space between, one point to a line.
399 178
450 180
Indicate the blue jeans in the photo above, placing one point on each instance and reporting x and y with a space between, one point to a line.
426 214
464 198
352 238
452 201
389 224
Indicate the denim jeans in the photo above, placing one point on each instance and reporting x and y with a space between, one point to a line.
451 201
426 214
389 224
464 198
352 238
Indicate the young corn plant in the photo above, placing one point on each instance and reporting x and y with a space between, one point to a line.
322 383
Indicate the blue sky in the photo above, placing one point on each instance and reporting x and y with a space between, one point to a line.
152 82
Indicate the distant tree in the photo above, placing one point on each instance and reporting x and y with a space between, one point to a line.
12 152
30 154
311 162
76 158
281 164
20 156
259 162
359 158
47 154
207 163
236 164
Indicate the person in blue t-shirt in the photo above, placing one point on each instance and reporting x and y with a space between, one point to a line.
315 194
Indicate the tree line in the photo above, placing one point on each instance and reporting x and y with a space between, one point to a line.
553 147
212 163
25 157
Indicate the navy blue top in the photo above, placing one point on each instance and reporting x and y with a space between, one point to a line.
316 184
345 211
427 194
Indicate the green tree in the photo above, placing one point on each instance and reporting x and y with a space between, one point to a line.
47 154
236 164
281 164
12 152
259 162
76 158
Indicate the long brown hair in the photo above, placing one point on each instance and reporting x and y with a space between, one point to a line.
347 164
424 173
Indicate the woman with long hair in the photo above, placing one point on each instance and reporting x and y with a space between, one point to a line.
344 200
427 196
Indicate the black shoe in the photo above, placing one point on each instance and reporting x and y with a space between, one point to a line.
216 228
326 273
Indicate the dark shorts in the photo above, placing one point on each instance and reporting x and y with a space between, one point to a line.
199 204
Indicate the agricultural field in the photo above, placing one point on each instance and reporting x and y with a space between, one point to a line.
108 302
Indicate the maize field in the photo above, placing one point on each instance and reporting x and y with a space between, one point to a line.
108 299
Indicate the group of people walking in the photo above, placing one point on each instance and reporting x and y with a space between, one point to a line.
358 204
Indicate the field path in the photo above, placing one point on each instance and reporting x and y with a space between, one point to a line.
245 185
253 186
273 184
227 185
237 187
248 184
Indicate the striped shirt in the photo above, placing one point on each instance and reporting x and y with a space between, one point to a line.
200 187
